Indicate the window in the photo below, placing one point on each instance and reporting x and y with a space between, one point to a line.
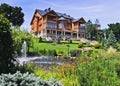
51 25
62 24
82 25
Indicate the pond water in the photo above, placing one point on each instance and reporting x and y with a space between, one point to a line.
41 60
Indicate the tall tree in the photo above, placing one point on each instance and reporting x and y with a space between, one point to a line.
6 46
100 35
111 41
13 14
116 29
90 31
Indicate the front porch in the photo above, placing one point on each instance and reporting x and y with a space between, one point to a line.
63 34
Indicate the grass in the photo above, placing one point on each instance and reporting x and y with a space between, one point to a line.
53 46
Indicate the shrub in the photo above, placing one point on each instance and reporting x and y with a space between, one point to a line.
97 45
80 45
60 53
111 50
26 79
118 48
70 41
40 39
98 73
73 53
54 43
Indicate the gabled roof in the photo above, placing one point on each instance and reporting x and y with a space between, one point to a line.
60 15
64 15
61 18
44 12
79 20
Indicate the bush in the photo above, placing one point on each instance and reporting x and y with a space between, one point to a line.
97 45
75 53
54 43
40 39
60 53
118 48
99 72
80 45
70 41
26 79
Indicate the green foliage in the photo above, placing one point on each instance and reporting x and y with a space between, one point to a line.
40 39
13 14
115 27
6 46
89 55
58 40
39 47
75 53
97 45
25 79
54 43
19 37
91 31
80 45
60 53
70 41
118 46
49 52
98 73
100 35
111 41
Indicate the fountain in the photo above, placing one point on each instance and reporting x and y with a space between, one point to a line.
24 48
41 60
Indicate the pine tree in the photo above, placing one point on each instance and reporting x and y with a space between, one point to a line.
111 41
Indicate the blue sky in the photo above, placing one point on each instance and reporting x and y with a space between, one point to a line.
107 11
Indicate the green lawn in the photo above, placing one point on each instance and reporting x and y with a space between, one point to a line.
58 47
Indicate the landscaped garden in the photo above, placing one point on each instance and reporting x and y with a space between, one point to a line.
85 63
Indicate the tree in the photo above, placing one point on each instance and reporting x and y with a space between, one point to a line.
111 41
13 14
116 29
90 31
100 35
6 46
19 37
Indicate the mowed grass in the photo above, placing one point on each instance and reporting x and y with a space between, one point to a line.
58 47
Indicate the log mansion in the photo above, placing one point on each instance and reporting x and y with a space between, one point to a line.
51 24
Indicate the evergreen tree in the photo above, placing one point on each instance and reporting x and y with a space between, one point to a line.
6 46
90 31
111 41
